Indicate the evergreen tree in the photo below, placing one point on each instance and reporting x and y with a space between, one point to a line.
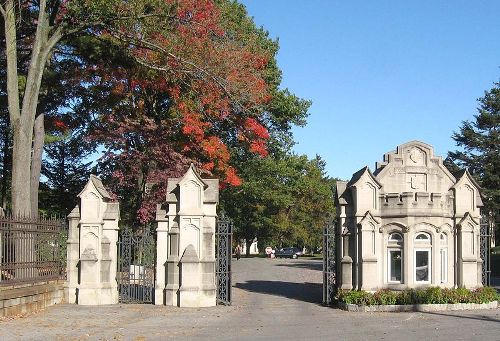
480 149
66 173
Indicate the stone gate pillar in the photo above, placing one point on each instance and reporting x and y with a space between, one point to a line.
92 253
185 269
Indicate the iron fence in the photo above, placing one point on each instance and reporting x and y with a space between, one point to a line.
32 249
223 245
486 227
329 273
136 265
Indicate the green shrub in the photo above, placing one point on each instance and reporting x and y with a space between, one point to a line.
484 295
449 296
385 297
431 295
462 295
359 297
405 297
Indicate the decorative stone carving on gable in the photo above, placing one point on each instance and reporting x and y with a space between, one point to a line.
415 156
421 171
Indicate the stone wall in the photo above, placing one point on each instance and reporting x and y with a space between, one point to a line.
21 299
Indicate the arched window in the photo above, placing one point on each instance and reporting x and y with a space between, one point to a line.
395 237
423 237
423 248
395 257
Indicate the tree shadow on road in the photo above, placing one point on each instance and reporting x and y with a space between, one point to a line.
304 265
474 317
306 292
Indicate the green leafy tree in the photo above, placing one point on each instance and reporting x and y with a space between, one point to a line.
282 201
480 149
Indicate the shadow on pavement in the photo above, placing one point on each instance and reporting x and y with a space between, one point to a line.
307 292
304 265
476 317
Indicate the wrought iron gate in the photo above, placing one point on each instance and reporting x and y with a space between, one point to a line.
136 265
485 248
223 245
329 275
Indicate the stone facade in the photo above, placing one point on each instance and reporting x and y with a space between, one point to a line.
92 237
185 262
409 224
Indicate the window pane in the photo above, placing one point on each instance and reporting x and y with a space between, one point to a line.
395 260
395 236
422 236
422 266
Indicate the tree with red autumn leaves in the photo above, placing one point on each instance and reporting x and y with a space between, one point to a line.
182 81
159 113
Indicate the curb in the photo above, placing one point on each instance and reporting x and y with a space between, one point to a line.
418 307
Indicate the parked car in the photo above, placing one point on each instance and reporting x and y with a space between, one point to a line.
289 252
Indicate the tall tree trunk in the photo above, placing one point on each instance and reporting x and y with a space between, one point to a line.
248 243
21 161
7 165
36 162
23 118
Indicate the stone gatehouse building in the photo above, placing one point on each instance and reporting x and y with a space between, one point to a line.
410 223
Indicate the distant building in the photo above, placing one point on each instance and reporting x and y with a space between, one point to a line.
409 224
254 250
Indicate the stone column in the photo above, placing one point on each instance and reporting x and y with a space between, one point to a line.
92 251
73 255
186 242
161 254
369 276
468 253
346 262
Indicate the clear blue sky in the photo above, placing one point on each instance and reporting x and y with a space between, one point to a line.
381 73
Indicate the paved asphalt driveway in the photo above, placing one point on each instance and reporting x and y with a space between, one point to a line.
273 299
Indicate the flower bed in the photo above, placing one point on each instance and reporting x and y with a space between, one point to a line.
429 299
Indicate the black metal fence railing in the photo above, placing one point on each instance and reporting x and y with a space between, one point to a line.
329 272
223 253
486 228
31 249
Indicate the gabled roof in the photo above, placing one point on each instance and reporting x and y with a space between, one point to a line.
468 217
356 176
389 158
99 187
465 174
340 187
368 216
192 170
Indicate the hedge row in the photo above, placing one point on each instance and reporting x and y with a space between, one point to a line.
431 295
